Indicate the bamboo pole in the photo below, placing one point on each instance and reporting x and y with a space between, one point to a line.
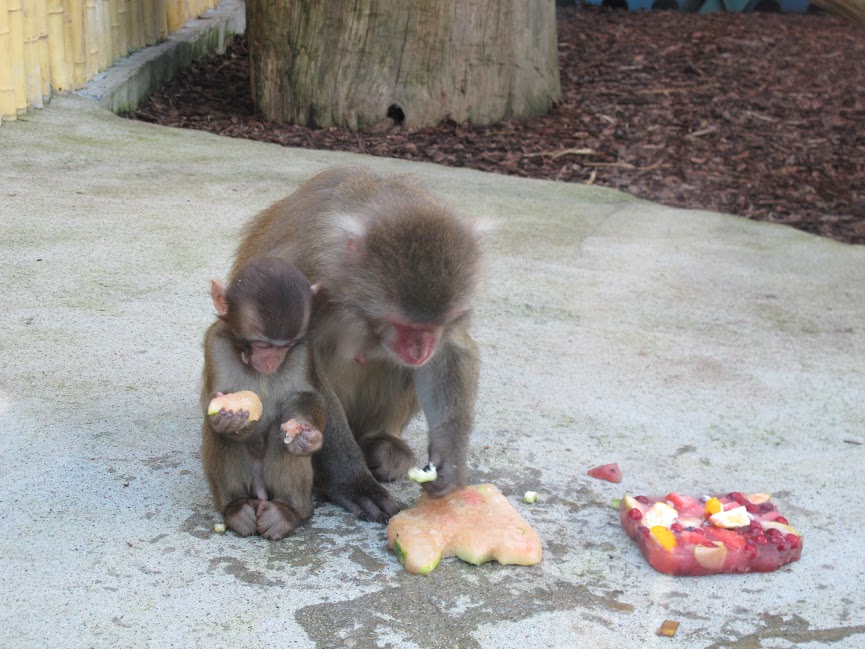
7 77
32 71
60 73
42 48
173 12
161 12
123 26
16 53
147 22
79 46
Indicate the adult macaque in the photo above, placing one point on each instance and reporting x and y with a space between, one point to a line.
389 330
259 472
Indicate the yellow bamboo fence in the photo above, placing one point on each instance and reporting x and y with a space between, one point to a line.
59 45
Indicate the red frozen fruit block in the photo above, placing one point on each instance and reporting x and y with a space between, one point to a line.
680 535
608 472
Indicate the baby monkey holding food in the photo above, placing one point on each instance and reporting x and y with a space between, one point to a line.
255 447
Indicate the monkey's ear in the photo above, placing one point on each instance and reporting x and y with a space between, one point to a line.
217 294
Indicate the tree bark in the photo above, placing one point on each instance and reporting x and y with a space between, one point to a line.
370 63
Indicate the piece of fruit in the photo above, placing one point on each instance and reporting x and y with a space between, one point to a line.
664 536
660 514
731 535
668 628
608 472
781 527
758 499
736 517
475 523
234 401
427 474
710 555
530 497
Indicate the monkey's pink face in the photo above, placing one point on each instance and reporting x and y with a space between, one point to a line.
264 357
414 343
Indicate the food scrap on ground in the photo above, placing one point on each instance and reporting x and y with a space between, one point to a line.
668 628
608 472
530 497
735 533
475 523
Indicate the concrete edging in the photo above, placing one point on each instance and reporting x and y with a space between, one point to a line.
131 79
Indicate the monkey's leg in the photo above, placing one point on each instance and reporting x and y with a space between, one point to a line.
387 456
276 520
240 516
341 471
288 480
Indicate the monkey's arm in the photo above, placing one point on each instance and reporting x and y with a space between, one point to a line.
447 387
341 470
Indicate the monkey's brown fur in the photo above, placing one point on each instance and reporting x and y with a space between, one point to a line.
261 483
399 271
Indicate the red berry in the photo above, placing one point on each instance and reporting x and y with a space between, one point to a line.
635 514
676 527
642 499
793 540
781 519
699 530
761 540
738 497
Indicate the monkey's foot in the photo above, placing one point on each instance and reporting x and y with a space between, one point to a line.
276 520
240 516
388 457
301 438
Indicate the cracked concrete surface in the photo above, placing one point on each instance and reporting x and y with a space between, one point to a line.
702 352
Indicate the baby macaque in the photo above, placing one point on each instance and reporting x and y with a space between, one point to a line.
260 472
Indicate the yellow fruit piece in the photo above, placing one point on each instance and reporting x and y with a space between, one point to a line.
664 536
234 401
758 499
736 517
713 506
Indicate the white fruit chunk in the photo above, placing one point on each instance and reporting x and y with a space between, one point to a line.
659 514
774 525
736 517
530 497
423 475
711 558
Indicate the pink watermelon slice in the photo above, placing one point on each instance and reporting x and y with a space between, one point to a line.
735 533
475 523
608 472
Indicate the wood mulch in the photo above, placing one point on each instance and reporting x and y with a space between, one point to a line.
760 115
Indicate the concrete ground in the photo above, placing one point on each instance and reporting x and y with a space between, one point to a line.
702 352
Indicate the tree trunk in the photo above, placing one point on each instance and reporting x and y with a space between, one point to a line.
370 63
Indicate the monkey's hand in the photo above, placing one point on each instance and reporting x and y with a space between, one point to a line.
229 421
450 477
301 437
